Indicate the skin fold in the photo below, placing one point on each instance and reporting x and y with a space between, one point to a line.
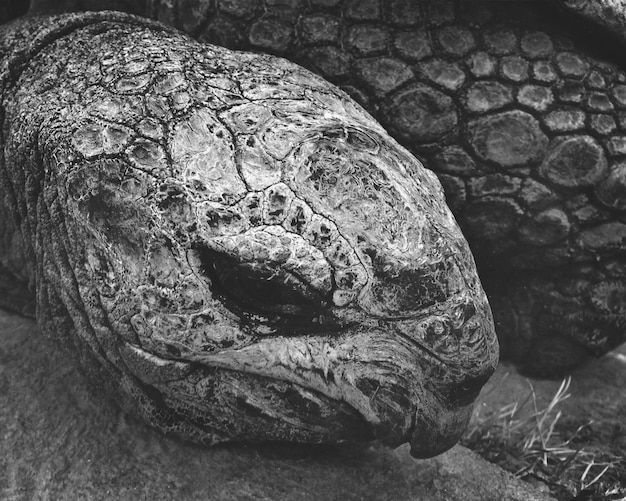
230 246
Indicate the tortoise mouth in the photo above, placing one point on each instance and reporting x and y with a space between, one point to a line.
401 390
426 422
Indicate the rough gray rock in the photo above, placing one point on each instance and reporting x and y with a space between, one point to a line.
231 246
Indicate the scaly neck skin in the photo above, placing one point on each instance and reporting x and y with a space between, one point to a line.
20 41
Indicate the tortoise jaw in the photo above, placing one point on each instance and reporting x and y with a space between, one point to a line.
401 391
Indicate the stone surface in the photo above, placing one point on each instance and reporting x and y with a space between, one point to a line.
62 441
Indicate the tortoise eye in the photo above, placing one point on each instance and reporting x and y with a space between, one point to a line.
243 288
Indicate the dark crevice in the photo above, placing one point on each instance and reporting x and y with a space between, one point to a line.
249 294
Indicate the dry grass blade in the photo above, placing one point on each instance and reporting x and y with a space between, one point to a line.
524 438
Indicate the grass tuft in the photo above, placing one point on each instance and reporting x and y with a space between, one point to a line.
535 445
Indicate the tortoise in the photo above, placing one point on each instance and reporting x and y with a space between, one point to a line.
518 107
229 245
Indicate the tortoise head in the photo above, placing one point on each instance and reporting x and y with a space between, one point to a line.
257 258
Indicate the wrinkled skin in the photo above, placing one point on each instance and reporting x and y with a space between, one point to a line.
521 112
234 249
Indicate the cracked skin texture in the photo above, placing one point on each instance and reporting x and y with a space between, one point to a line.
521 112
231 246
